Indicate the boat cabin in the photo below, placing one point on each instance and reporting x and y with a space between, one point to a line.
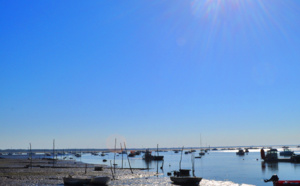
272 155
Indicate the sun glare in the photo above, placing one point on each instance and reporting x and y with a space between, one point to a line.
239 16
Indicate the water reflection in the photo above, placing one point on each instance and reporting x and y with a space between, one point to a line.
271 166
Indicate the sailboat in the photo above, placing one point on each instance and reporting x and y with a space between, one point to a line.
182 177
202 152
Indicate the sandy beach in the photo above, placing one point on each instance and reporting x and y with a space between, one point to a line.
44 172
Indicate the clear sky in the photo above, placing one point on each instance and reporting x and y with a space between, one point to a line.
148 72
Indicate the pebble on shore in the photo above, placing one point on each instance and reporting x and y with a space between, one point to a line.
43 172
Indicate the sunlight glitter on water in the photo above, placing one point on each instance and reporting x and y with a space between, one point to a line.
166 181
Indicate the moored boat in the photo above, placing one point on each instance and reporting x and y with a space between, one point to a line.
157 158
202 153
240 152
100 180
78 155
277 182
131 154
147 156
182 177
286 152
186 180
271 156
76 181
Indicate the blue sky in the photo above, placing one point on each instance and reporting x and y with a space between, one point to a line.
148 72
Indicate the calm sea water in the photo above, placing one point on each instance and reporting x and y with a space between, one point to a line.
215 165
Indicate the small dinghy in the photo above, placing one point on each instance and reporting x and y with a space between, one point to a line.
186 180
98 180
76 181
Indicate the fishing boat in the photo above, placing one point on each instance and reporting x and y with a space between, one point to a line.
147 156
286 152
131 154
240 152
157 157
271 156
182 177
277 182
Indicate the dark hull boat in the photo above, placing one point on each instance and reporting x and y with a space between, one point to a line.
149 157
240 152
182 177
287 182
76 181
277 182
99 180
157 158
186 180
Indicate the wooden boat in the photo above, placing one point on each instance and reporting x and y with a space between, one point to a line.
186 180
100 180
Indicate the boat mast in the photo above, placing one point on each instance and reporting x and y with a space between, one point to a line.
180 159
